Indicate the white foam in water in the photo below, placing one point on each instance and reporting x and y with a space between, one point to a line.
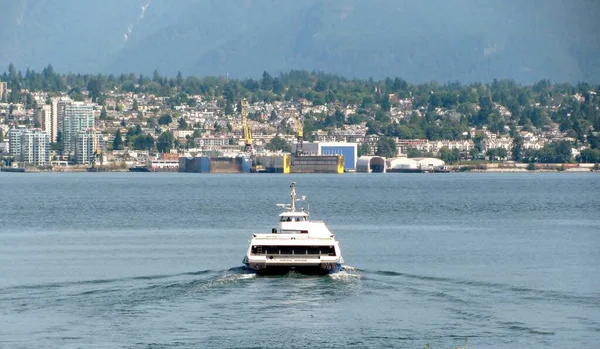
346 273
223 280
246 276
235 277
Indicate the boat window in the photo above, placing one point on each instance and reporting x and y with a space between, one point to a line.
293 250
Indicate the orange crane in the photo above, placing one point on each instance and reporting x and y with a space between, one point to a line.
97 152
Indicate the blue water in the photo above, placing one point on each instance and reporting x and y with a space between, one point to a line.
150 260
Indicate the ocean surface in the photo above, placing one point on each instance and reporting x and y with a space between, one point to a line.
154 260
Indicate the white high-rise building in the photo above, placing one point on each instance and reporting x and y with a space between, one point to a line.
58 110
87 143
3 89
14 142
35 147
79 116
48 121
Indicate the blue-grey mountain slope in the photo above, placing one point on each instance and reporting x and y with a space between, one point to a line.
464 40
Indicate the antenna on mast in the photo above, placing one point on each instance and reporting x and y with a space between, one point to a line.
293 195
292 207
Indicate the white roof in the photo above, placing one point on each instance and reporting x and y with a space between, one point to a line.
314 229
293 214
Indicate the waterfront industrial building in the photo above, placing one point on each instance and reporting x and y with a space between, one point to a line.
220 164
371 164
404 164
348 150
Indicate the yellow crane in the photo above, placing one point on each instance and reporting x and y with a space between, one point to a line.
299 135
246 129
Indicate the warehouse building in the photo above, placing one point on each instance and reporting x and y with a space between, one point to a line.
348 150
369 164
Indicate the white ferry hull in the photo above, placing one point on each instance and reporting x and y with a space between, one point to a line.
299 266
299 244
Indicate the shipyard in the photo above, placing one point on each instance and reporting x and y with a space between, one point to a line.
228 133
305 157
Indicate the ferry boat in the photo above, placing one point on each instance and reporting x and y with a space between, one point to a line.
298 244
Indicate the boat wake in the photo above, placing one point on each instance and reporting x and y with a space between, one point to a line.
347 273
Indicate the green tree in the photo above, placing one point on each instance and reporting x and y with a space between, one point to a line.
363 149
385 102
103 114
165 142
386 147
381 116
60 143
491 154
217 127
143 142
182 124
118 140
94 88
228 109
266 82
589 156
478 143
190 143
135 106
165 119
277 143
501 153
517 150
449 155
593 140
413 153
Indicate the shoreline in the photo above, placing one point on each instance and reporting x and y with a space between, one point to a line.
492 170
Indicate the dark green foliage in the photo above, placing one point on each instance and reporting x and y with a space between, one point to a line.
517 148
363 149
165 119
59 144
278 143
497 154
117 141
165 142
559 152
449 156
143 142
473 105
589 156
386 147
182 124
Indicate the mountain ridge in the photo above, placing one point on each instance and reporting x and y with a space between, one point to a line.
463 40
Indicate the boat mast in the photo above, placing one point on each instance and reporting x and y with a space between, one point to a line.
293 194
